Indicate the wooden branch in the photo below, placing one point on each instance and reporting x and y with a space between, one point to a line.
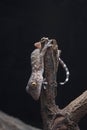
48 106
11 123
77 108
53 117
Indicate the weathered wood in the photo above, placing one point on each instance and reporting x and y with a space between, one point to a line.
77 108
48 105
53 117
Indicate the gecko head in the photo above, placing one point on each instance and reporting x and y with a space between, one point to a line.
34 87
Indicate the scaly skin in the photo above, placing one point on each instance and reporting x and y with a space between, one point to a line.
36 79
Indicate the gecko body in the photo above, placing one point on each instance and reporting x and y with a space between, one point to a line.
36 79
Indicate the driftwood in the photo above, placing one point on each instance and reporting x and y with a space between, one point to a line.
53 117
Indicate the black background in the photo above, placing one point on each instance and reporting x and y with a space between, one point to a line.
23 22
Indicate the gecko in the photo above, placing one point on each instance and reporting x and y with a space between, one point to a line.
36 79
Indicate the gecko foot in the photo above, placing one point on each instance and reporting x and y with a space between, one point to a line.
48 44
44 83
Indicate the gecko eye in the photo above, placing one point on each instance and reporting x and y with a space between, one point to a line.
33 84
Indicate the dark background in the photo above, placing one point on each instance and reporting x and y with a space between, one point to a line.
23 22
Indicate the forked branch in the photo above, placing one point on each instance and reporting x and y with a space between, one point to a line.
45 65
53 117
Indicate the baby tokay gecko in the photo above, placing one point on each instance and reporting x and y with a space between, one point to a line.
36 80
37 62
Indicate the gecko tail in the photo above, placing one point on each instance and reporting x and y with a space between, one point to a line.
66 70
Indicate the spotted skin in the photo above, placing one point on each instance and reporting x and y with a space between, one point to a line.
36 79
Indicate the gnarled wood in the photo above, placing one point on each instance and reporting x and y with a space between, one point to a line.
77 108
53 117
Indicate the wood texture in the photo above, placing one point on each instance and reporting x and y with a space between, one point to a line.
53 117
77 108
